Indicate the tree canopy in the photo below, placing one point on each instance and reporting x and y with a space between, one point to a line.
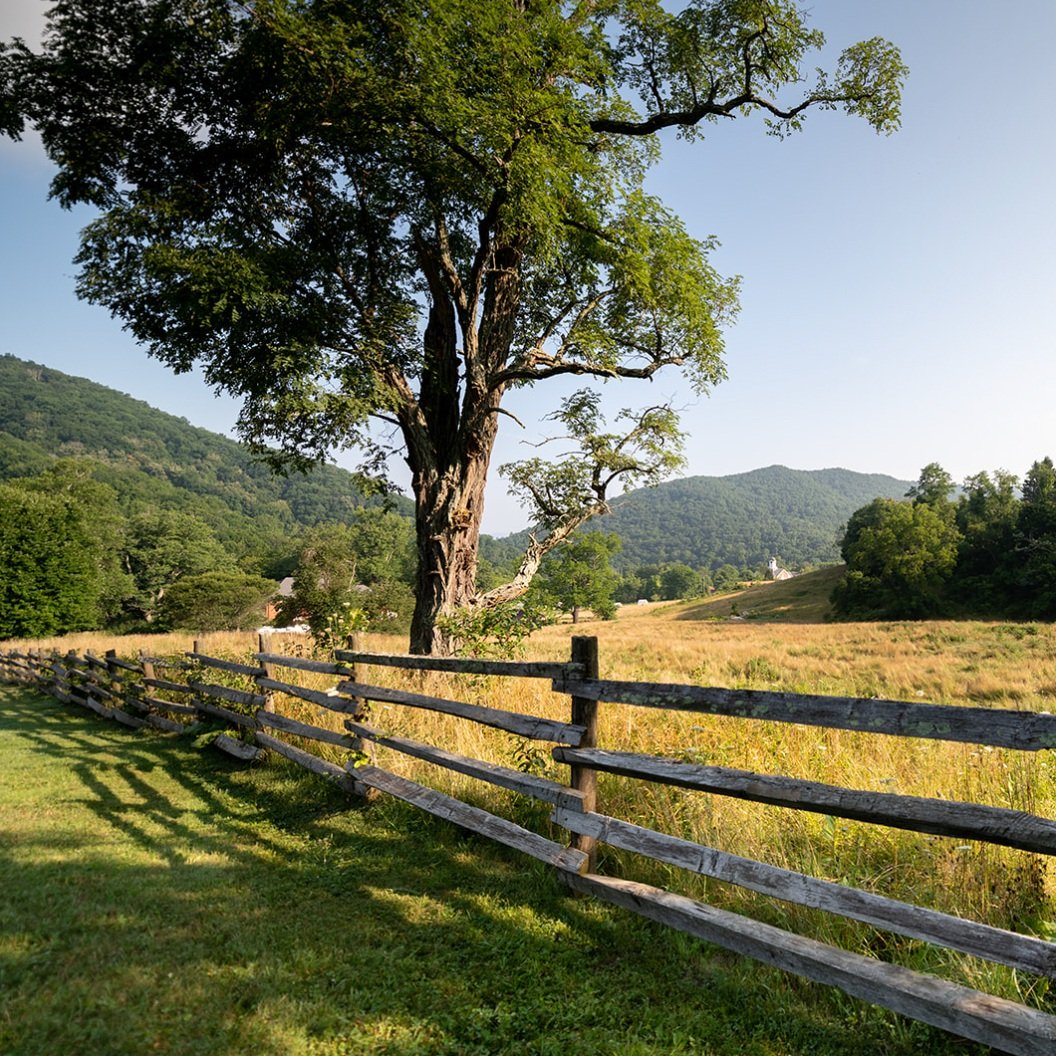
360 215
580 576
59 554
162 547
899 556
215 601
992 553
353 574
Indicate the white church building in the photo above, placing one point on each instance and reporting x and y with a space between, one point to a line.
778 573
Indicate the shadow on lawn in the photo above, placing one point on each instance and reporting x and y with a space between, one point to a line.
167 900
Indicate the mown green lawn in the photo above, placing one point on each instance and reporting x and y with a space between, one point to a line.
159 898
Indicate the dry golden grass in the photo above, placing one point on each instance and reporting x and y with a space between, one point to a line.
802 599
988 664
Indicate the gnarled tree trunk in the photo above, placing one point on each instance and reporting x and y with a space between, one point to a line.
450 507
450 431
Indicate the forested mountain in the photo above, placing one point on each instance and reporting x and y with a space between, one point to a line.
744 519
155 459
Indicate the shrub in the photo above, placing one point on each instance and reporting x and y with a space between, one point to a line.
215 601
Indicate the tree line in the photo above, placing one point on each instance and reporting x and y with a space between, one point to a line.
74 558
987 551
584 574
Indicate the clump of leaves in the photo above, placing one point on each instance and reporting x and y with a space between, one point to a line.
332 631
497 632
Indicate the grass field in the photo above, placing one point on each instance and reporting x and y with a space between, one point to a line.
158 899
775 647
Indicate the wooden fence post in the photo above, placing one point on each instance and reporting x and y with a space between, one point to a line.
354 644
269 672
147 667
47 669
115 683
113 672
585 713
69 663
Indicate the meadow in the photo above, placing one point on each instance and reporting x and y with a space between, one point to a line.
1000 665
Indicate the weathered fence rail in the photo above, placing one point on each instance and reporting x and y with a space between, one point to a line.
128 692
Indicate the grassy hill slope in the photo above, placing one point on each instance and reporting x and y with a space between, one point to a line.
804 599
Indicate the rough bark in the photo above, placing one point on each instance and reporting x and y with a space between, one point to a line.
450 429
449 510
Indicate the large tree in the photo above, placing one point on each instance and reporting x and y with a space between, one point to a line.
216 601
1036 540
161 548
352 213
900 557
988 572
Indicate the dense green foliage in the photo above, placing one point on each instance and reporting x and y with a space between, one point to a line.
990 552
183 501
726 577
161 547
580 576
352 576
899 558
428 206
194 501
215 601
218 510
667 582
1033 580
59 568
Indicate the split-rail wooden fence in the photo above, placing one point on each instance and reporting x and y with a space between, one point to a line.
133 693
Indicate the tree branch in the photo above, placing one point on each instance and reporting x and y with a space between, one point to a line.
525 374
533 558
447 263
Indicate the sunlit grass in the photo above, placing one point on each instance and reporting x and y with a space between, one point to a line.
161 899
995 665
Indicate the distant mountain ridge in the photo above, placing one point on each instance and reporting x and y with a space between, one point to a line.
154 458
744 519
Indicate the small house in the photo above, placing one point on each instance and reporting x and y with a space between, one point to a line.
271 610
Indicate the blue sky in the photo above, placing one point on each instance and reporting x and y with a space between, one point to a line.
898 292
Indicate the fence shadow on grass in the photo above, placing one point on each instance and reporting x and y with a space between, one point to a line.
165 900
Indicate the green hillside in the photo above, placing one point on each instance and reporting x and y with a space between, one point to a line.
744 519
155 459
804 599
